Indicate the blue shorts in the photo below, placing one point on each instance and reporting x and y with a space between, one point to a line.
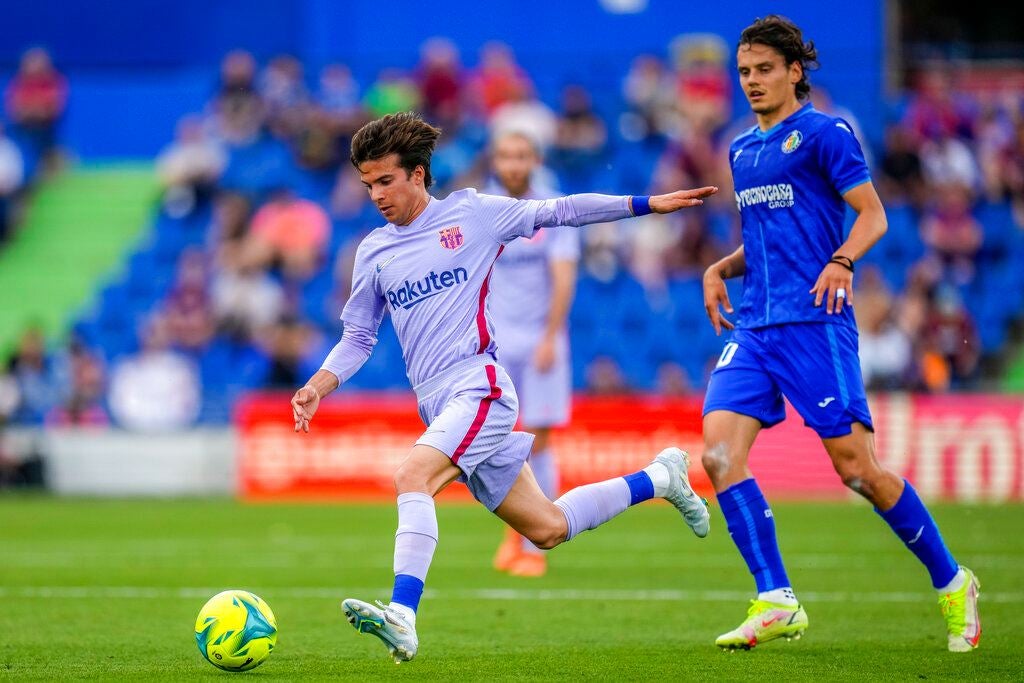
814 365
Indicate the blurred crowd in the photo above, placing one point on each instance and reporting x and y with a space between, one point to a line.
34 103
249 261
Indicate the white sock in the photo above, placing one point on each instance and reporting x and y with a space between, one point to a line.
956 584
406 612
416 538
780 596
660 477
590 506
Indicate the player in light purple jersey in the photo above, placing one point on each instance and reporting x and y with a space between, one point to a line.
531 292
430 267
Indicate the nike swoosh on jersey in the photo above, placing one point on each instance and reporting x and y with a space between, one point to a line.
381 266
914 539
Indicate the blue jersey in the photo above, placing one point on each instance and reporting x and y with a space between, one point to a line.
789 184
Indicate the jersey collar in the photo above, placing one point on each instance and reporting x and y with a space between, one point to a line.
806 109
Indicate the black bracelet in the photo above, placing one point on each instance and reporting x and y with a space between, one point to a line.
844 261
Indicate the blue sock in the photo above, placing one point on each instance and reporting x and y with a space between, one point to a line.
407 591
911 521
752 528
641 487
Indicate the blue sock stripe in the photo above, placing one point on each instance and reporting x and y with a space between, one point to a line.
913 524
641 487
407 591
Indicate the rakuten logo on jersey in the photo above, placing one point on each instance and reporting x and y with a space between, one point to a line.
778 196
412 293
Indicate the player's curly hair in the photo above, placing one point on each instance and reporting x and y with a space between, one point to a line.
404 134
781 34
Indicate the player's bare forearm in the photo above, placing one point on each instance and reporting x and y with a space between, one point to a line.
870 225
563 288
323 382
733 265
716 296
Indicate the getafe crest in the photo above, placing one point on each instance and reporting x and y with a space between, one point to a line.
451 238
792 141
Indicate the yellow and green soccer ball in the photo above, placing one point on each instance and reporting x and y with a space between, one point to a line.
236 631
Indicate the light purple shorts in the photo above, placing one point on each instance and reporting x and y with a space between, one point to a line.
470 410
545 398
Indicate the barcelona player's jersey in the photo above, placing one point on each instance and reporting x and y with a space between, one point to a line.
790 182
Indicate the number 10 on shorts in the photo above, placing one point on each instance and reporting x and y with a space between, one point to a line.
727 353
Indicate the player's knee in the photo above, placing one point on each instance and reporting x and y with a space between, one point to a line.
551 532
716 460
409 478
856 475
547 539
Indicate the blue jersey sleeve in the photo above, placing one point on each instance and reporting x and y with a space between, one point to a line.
842 160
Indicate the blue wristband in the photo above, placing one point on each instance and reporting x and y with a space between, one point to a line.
641 205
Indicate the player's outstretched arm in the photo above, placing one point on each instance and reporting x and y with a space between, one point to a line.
837 275
716 296
586 209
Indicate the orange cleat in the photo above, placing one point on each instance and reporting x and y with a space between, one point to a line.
509 550
530 565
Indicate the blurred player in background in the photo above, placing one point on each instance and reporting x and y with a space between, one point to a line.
795 335
430 266
531 292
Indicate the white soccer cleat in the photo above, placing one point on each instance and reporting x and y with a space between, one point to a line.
391 627
692 507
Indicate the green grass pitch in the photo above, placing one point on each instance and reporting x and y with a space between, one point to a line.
110 589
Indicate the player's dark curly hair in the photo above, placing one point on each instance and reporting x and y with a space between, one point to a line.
785 37
404 134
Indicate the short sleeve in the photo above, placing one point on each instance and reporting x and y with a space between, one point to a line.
841 157
365 305
505 217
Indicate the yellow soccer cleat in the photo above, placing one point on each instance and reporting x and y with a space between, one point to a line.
765 621
960 609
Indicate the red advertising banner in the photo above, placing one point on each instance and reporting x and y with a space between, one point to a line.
951 447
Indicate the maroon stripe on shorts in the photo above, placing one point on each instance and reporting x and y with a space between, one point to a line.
481 413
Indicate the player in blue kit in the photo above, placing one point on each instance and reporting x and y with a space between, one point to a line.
795 334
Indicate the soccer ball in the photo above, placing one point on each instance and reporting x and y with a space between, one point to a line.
236 631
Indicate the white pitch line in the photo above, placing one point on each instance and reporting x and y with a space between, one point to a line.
495 594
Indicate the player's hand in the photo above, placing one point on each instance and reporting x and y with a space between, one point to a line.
683 199
304 405
716 296
834 278
544 356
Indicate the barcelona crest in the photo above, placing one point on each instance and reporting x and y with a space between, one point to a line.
451 238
